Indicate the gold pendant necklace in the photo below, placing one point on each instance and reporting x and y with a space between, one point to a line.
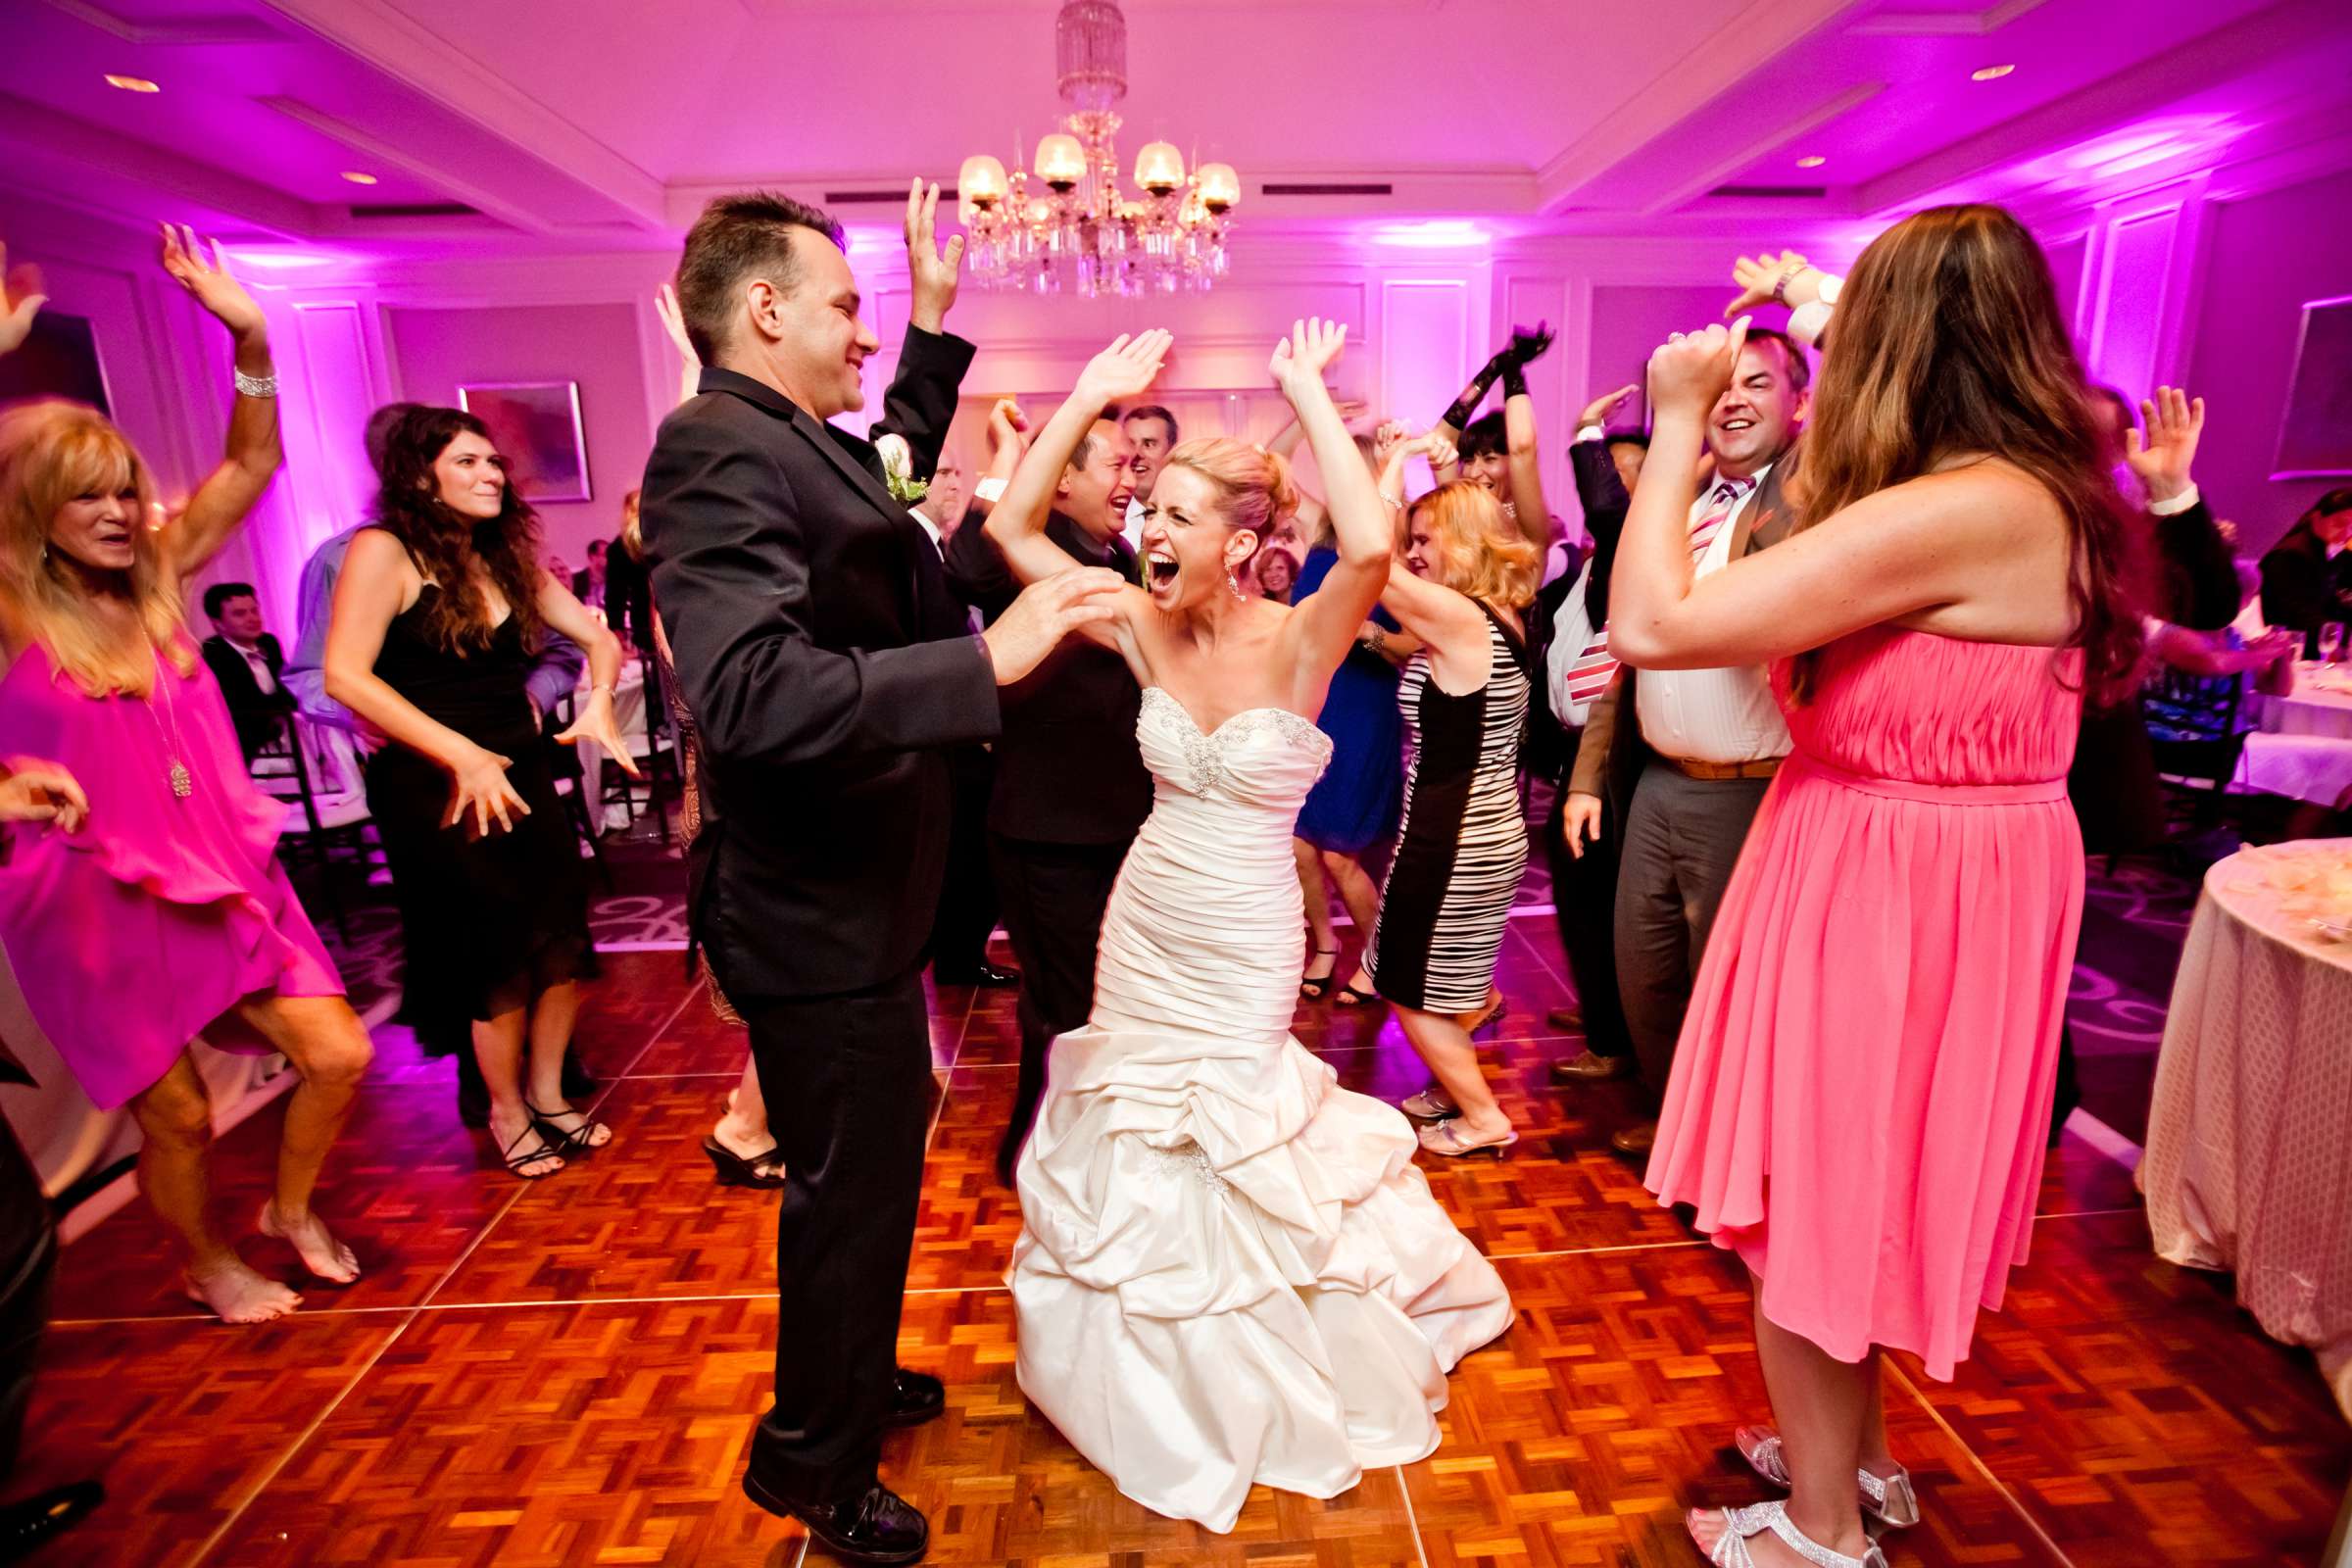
183 784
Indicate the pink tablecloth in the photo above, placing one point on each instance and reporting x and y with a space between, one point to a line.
2250 1159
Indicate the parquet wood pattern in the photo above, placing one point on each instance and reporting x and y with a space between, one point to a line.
569 1372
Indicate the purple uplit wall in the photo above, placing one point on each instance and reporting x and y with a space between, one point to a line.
2265 257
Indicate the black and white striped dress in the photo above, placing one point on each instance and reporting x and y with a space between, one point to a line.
1464 841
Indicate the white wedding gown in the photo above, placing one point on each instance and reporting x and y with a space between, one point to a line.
1230 1270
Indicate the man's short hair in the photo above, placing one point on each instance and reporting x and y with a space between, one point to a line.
378 436
1800 369
1086 443
1153 411
217 596
738 237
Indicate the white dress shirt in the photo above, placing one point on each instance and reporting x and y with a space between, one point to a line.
1132 533
1713 715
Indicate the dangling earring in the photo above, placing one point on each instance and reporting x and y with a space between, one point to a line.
1233 581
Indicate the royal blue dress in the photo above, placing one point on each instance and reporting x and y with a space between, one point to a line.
1357 804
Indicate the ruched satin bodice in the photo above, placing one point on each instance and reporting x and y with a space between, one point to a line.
1230 1269
1998 717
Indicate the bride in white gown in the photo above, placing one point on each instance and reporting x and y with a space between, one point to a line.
1230 1270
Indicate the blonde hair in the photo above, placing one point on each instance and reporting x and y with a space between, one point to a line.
51 452
1253 486
1476 551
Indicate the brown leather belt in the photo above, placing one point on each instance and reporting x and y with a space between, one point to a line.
1713 771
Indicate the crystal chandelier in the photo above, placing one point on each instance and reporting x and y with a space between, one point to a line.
1064 224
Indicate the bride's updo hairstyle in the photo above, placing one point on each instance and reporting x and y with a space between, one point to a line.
1253 485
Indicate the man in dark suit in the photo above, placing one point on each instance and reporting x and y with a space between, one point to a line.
248 664
2307 576
1682 758
797 593
1071 786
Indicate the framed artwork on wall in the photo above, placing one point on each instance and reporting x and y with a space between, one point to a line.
536 425
2315 436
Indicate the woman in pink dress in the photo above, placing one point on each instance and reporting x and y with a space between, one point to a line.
165 915
1860 1099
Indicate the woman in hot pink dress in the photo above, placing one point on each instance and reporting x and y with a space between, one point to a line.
164 915
1860 1100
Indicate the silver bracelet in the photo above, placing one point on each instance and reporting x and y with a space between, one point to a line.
257 387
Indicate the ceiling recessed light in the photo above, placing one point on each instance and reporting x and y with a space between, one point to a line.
358 178
1814 162
133 85
1990 73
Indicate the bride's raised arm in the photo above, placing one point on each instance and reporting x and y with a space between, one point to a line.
1325 626
1017 525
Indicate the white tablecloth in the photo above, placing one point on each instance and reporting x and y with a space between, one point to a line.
628 711
2249 1161
2303 749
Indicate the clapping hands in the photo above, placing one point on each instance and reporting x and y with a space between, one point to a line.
21 300
1123 369
1689 370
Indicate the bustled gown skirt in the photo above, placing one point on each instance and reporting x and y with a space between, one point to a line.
1230 1270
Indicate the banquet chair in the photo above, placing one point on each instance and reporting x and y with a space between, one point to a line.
564 764
659 756
329 821
2194 729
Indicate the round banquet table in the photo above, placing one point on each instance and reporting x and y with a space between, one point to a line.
2321 703
2249 1157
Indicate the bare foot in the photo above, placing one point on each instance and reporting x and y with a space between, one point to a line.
1708 1526
329 1261
238 1295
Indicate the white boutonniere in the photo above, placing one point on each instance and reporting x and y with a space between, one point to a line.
898 470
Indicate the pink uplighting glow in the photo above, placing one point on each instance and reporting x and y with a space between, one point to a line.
1437 233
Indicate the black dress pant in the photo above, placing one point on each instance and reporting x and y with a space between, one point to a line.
848 1082
1053 897
1583 906
27 1259
967 895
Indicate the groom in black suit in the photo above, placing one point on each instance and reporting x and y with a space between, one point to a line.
797 593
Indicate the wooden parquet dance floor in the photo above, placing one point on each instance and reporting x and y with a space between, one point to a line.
566 1373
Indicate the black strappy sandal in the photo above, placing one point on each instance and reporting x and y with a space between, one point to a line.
735 1171
1349 996
545 1150
567 1141
1313 985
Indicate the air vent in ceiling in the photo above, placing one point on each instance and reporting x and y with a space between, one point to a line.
1278 189
879 198
415 210
1770 193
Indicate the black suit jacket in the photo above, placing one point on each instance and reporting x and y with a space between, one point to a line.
795 595
1551 745
2301 587
1068 769
256 714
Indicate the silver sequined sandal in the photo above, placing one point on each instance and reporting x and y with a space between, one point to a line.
1888 1499
1731 1547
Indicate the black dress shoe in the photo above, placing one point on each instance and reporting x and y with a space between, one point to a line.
987 976
914 1399
875 1525
27 1525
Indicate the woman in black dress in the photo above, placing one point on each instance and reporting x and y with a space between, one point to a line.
438 616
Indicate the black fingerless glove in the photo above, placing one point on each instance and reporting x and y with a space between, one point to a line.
1465 406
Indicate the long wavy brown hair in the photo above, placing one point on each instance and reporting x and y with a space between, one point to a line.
51 452
446 547
1948 342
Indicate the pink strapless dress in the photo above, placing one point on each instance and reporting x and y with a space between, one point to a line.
133 935
1861 1097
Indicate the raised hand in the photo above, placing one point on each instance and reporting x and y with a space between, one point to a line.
1385 440
1606 406
35 791
596 722
674 322
1008 426
2162 460
1759 278
1689 370
1312 347
1123 369
21 300
1048 610
934 276
1435 446
1529 346
210 284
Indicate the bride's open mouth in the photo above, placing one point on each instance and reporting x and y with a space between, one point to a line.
1160 570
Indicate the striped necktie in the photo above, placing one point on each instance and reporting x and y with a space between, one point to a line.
1721 503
